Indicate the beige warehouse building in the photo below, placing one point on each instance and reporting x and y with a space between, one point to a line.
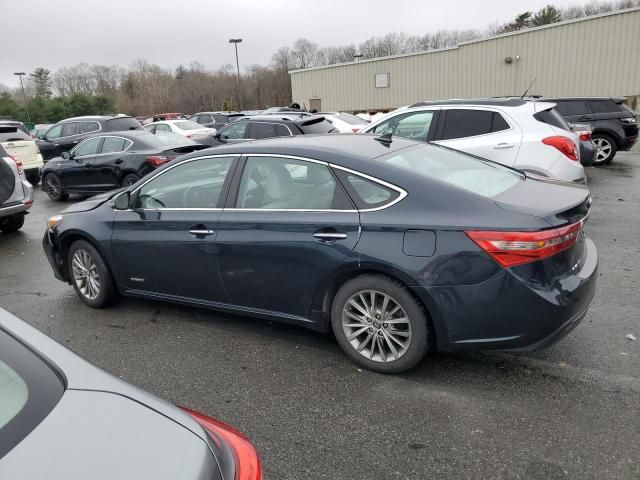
594 56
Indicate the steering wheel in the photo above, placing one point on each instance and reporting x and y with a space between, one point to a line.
147 201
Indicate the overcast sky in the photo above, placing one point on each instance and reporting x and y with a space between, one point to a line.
55 33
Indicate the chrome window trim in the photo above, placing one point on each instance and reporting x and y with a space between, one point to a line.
402 194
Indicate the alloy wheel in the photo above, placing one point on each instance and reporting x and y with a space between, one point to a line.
52 186
603 149
129 181
376 326
85 274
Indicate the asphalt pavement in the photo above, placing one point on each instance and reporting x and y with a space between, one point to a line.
568 412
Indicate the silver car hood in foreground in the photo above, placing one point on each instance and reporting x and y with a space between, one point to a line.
103 427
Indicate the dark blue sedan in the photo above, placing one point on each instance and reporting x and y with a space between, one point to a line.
398 247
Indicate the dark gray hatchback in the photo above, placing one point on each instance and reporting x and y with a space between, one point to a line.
395 246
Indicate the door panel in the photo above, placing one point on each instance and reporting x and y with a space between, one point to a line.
272 261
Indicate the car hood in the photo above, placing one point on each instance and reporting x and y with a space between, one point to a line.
102 435
92 202
555 201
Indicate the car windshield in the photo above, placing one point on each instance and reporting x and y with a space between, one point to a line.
187 125
163 139
456 168
29 390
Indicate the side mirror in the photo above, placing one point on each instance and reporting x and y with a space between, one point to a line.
66 155
122 201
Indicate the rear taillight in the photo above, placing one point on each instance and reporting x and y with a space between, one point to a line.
18 163
246 459
564 144
156 160
515 248
628 120
584 136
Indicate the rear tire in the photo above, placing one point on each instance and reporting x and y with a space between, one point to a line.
379 324
90 275
130 179
11 224
606 149
53 187
33 178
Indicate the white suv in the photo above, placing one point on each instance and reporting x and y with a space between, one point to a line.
529 136
16 193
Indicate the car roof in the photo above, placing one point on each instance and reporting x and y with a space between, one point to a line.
131 134
496 102
218 113
353 150
283 118
93 117
557 99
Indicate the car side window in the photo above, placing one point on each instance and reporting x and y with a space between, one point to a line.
261 130
234 131
461 123
603 106
192 184
163 127
572 108
366 193
87 127
69 129
414 125
290 184
54 133
282 131
88 147
114 144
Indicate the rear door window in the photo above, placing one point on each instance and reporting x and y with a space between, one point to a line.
261 130
87 127
572 107
114 145
29 390
366 193
69 129
469 123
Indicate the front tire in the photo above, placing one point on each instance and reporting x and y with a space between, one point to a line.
606 149
130 179
53 187
11 224
379 324
90 275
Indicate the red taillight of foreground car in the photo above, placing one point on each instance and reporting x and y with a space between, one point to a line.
515 248
17 162
564 144
247 463
157 160
584 136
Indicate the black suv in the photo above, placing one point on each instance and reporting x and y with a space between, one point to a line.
268 126
615 126
215 120
66 134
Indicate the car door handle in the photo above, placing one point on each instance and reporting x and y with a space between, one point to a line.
502 146
329 236
201 232
586 117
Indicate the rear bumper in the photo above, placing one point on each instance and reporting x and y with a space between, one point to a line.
20 206
507 313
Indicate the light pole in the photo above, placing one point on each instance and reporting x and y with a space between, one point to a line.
24 96
235 42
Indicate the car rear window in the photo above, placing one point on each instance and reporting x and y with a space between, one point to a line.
311 127
553 118
29 390
473 174
122 124
351 119
12 134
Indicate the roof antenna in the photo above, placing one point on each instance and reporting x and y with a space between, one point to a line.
527 90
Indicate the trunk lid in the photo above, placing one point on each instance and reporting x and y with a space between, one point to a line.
558 203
